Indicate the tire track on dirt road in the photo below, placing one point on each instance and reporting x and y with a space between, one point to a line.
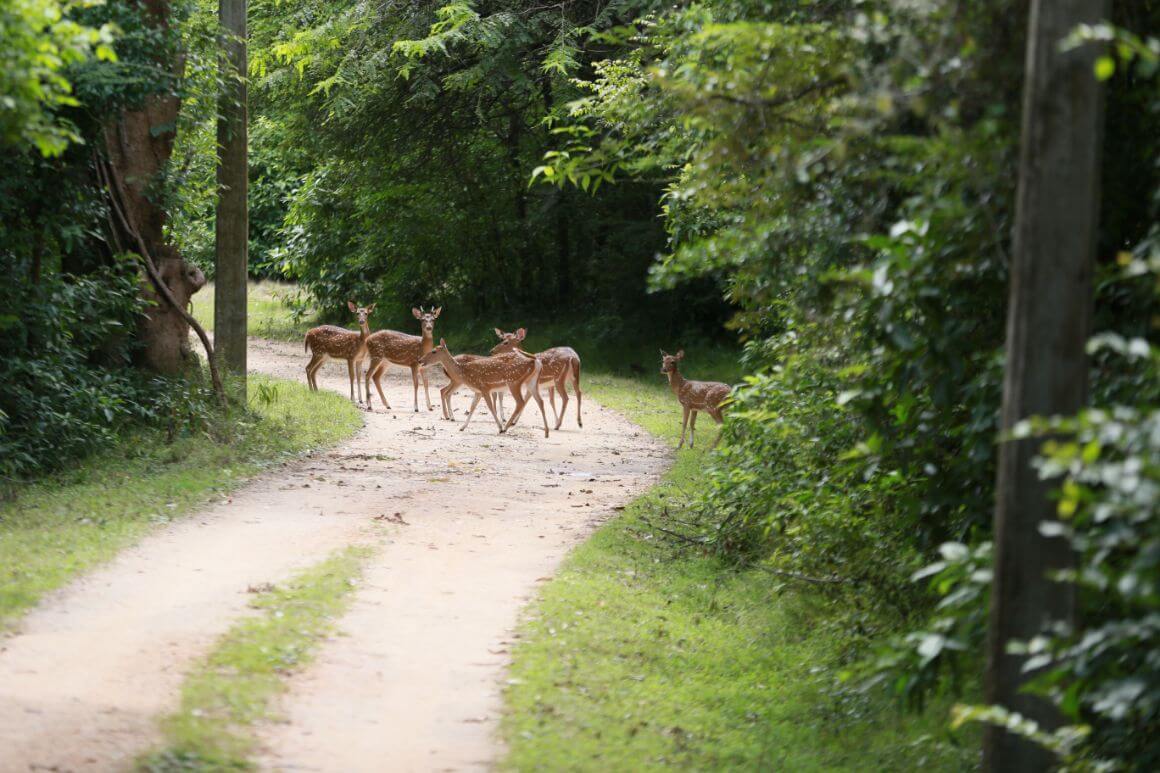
413 681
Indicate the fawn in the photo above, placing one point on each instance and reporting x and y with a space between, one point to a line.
693 396
327 341
446 392
487 374
390 346
560 363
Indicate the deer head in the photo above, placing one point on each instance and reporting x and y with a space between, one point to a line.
361 312
669 361
438 354
509 341
427 318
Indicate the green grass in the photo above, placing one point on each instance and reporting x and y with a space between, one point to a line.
271 309
236 684
637 656
66 523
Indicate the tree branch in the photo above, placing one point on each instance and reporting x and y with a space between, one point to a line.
109 179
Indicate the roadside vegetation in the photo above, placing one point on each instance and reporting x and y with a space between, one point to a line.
237 683
650 652
67 522
277 310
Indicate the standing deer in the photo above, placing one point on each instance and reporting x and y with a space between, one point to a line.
693 396
390 346
329 341
560 363
446 392
516 371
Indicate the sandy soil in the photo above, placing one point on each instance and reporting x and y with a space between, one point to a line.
473 521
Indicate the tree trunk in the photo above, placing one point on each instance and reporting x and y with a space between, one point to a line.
231 257
1047 327
138 143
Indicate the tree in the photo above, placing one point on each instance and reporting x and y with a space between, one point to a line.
232 226
138 143
1048 325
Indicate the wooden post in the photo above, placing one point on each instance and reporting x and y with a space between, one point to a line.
231 256
1048 324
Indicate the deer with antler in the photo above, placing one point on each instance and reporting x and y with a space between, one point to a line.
517 371
693 396
332 342
560 364
387 347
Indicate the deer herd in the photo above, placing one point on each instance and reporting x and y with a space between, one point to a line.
506 367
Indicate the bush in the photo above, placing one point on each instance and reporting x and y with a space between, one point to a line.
67 390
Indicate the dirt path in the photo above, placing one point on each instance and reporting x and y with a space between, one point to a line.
413 682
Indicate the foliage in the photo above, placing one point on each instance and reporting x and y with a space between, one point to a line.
39 41
640 657
62 360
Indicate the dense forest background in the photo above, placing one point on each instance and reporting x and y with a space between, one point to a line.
827 185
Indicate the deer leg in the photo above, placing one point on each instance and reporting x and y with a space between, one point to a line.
377 372
693 428
426 389
445 400
350 373
471 411
562 388
516 388
490 399
552 399
312 367
684 426
576 387
499 403
415 381
543 414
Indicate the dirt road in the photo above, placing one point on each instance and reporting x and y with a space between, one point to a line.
413 681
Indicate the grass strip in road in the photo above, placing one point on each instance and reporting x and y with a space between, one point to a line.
61 525
640 657
237 683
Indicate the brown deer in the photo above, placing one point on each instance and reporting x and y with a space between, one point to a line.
329 341
516 371
390 346
693 396
446 392
560 364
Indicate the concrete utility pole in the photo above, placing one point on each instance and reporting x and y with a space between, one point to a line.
1048 323
231 255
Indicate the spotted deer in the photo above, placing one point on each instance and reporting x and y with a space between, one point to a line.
560 364
388 347
446 392
484 376
693 396
329 341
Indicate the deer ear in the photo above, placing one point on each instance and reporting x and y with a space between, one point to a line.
443 342
371 308
522 333
438 311
663 353
680 354
498 333
350 305
416 313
